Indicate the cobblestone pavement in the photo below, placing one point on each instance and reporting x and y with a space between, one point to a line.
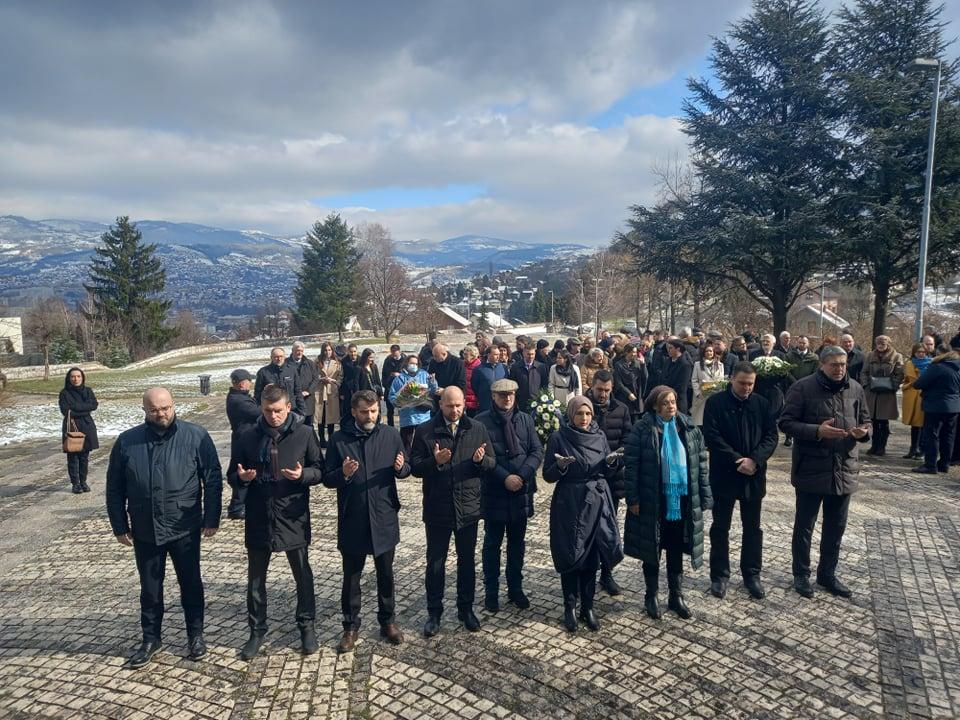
69 619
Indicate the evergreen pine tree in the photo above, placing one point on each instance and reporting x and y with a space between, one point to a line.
327 282
887 113
483 324
127 281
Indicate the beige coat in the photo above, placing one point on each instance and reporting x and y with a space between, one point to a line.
912 410
882 405
710 373
328 396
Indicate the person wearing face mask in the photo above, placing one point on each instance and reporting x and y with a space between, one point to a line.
279 373
77 402
583 523
278 459
364 460
412 415
164 486
667 492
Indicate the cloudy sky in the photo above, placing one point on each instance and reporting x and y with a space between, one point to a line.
534 120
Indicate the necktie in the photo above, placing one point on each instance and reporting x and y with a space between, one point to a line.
453 428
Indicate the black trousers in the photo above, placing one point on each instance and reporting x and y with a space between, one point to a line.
257 563
406 435
581 583
938 433
604 570
77 464
438 545
751 548
493 533
238 500
390 411
152 566
671 543
835 509
350 594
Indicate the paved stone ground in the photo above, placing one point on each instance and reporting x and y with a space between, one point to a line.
69 619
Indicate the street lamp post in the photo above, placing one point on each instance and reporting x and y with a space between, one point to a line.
551 309
923 64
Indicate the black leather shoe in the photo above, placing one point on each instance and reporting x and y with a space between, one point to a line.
925 470
84 487
912 454
754 587
469 619
652 605
196 647
943 468
590 620
145 653
676 603
236 515
518 598
610 585
718 588
569 618
432 626
491 603
803 587
308 639
788 441
251 647
75 488
834 587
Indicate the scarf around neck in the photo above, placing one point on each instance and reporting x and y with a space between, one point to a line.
921 364
505 417
673 466
269 450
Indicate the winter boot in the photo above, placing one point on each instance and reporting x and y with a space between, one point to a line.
676 601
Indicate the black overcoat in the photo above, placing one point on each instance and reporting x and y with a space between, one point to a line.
309 379
676 374
81 402
615 421
498 503
284 376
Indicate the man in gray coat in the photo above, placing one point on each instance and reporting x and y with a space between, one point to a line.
826 414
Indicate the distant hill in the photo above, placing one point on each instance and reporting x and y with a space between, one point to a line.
214 271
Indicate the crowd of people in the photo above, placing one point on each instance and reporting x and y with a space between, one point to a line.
672 425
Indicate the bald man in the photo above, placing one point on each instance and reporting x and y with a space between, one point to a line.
163 494
451 453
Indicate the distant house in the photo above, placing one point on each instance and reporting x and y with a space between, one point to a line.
494 321
352 325
807 320
11 335
451 320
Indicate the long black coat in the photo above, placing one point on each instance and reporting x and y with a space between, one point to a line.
734 429
615 421
499 504
530 381
581 509
451 492
243 413
80 402
391 365
855 359
645 488
367 502
162 488
630 378
349 385
826 467
449 372
282 375
309 379
676 374
369 379
277 509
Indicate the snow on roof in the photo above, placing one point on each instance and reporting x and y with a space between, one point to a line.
495 321
454 315
828 316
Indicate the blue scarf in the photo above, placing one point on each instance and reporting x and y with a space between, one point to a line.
673 466
921 364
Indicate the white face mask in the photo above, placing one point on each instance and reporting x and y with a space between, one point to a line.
412 369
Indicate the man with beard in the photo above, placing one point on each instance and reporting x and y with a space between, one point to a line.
307 377
615 421
392 367
278 459
163 493
363 461
242 412
280 374
507 492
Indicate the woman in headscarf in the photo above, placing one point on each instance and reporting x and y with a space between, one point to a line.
565 378
667 488
328 396
881 376
583 524
77 402
912 408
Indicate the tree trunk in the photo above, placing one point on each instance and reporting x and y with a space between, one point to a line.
46 362
696 306
673 309
779 304
881 302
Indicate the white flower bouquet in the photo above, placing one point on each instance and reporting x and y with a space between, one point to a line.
413 394
771 367
546 411
712 388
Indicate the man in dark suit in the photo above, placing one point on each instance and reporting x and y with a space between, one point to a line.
307 377
279 373
677 373
530 376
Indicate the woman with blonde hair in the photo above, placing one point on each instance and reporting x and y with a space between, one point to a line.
328 396
912 408
707 372
881 377
596 360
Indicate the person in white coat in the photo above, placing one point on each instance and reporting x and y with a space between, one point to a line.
706 372
565 380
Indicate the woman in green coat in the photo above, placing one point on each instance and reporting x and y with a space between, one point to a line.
667 489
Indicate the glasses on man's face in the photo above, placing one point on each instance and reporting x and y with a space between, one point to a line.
837 365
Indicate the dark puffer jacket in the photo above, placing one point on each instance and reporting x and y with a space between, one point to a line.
940 384
80 401
451 492
615 421
827 467
644 484
278 509
499 504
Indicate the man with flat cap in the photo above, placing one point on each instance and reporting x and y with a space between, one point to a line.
507 492
242 412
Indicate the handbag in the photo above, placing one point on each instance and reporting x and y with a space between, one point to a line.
881 385
74 439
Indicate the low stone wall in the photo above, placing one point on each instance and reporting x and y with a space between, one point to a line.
34 372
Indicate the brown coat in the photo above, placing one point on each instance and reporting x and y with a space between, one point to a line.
912 409
329 393
882 405
589 369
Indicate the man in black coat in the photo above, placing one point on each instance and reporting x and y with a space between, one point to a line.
392 367
615 421
740 432
676 374
243 413
278 459
351 378
308 378
530 376
364 458
447 369
451 452
854 356
507 492
164 485
278 373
